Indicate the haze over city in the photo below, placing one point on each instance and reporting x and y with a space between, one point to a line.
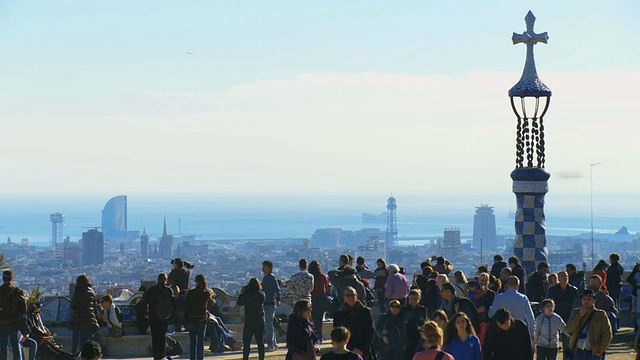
364 98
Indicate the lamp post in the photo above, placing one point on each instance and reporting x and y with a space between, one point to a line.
593 257
530 99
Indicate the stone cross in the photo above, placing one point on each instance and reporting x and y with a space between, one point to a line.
529 37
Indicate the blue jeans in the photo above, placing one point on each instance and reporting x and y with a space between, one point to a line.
382 301
269 332
33 348
11 336
583 355
196 340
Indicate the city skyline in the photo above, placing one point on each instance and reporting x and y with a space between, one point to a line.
308 99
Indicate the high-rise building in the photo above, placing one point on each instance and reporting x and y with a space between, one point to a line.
57 228
484 227
166 244
451 244
372 251
92 247
114 219
392 223
144 244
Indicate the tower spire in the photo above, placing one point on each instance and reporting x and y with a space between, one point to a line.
164 229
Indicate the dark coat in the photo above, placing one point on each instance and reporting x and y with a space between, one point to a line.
359 321
15 316
301 336
466 306
83 306
521 274
253 302
614 275
150 301
537 287
507 345
196 302
179 278
412 319
565 300
496 268
430 297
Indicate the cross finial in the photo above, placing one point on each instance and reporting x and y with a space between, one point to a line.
529 84
529 37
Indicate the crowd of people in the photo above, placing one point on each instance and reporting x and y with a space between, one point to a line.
437 313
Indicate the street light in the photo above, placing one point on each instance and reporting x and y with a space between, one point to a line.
593 257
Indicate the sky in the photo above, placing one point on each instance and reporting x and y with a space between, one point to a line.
227 98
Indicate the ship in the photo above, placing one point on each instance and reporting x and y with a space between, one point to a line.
375 218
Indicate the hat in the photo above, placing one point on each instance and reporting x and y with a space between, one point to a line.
588 292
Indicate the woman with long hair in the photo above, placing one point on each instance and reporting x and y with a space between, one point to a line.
196 301
381 274
460 338
319 300
432 335
601 269
252 298
302 342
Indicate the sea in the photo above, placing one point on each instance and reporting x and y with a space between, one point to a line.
280 217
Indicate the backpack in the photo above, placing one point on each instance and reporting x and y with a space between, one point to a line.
164 310
173 346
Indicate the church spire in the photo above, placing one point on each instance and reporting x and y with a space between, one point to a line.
164 229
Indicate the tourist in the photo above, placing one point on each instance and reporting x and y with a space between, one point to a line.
472 290
344 278
357 318
380 275
319 300
397 285
452 304
441 318
498 265
537 285
484 298
576 278
460 338
505 273
517 304
552 279
565 297
601 270
197 301
301 283
27 342
413 317
83 317
179 275
430 297
634 278
109 316
253 298
362 269
91 350
460 283
614 277
443 266
340 337
589 328
391 330
506 338
271 289
548 326
13 306
433 337
518 271
302 341
604 301
154 301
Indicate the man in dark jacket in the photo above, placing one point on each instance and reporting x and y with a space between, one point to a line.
518 271
158 326
357 318
498 265
83 317
614 278
537 285
455 304
179 275
506 339
13 308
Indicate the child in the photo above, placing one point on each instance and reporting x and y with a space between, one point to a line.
548 324
472 288
339 339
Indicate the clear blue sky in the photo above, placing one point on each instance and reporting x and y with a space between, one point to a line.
144 97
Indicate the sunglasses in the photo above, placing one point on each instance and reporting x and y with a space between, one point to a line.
395 306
